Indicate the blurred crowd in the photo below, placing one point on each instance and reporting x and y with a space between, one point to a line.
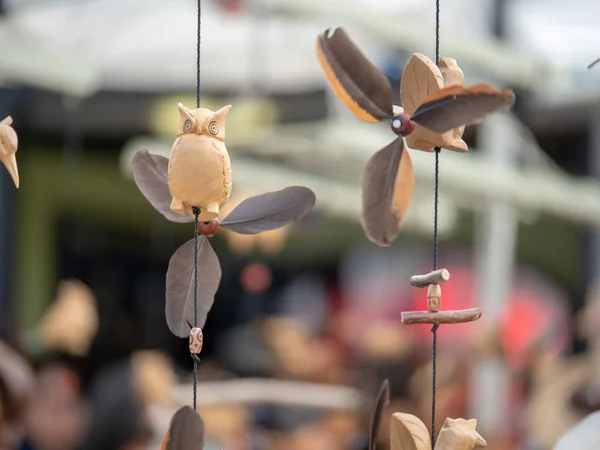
345 334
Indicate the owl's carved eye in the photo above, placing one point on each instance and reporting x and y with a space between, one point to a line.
213 128
187 126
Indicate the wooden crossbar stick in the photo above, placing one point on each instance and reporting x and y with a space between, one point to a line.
441 317
436 277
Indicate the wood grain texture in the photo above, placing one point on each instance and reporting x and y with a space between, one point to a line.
459 434
441 317
150 173
357 82
435 277
199 172
455 106
186 431
270 211
387 186
420 78
408 432
179 305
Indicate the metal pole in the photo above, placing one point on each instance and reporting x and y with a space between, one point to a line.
494 261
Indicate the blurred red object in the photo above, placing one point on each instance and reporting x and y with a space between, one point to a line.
534 317
231 6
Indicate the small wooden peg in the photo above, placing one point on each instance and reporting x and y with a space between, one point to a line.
434 297
436 277
441 317
196 339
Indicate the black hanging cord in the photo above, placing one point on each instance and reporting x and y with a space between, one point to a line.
196 214
435 235
198 54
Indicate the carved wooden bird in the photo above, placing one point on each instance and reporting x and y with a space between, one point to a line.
408 432
438 103
198 174
199 166
9 143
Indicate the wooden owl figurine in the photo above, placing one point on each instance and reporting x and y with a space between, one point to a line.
199 170
408 432
420 78
8 148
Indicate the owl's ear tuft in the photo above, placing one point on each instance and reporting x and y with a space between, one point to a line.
222 114
185 113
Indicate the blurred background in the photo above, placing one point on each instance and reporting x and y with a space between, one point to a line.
306 323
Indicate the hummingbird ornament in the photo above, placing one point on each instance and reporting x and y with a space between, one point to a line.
436 109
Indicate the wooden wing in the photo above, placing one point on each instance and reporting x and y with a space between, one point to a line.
179 306
420 78
270 211
383 400
387 186
454 106
408 432
186 431
361 86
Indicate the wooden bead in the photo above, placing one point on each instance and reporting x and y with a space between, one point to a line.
196 339
434 297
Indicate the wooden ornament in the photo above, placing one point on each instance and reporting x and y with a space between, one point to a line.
198 175
432 281
408 432
436 109
9 142
199 165
413 91
186 431
196 340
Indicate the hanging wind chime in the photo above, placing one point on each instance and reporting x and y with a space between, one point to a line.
436 109
192 185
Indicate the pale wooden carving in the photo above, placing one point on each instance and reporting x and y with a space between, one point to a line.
441 317
199 165
436 277
420 78
432 281
71 323
408 432
9 142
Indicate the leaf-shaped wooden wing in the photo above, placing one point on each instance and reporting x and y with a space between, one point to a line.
420 78
387 185
270 211
454 106
179 307
383 399
150 173
409 433
361 86
186 431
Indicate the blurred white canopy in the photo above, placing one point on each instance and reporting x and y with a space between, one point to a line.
139 45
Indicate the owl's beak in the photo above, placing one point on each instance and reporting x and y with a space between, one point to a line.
11 166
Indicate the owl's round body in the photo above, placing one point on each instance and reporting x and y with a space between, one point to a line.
199 165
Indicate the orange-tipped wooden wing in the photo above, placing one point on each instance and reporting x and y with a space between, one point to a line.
383 399
454 106
355 80
387 186
186 431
